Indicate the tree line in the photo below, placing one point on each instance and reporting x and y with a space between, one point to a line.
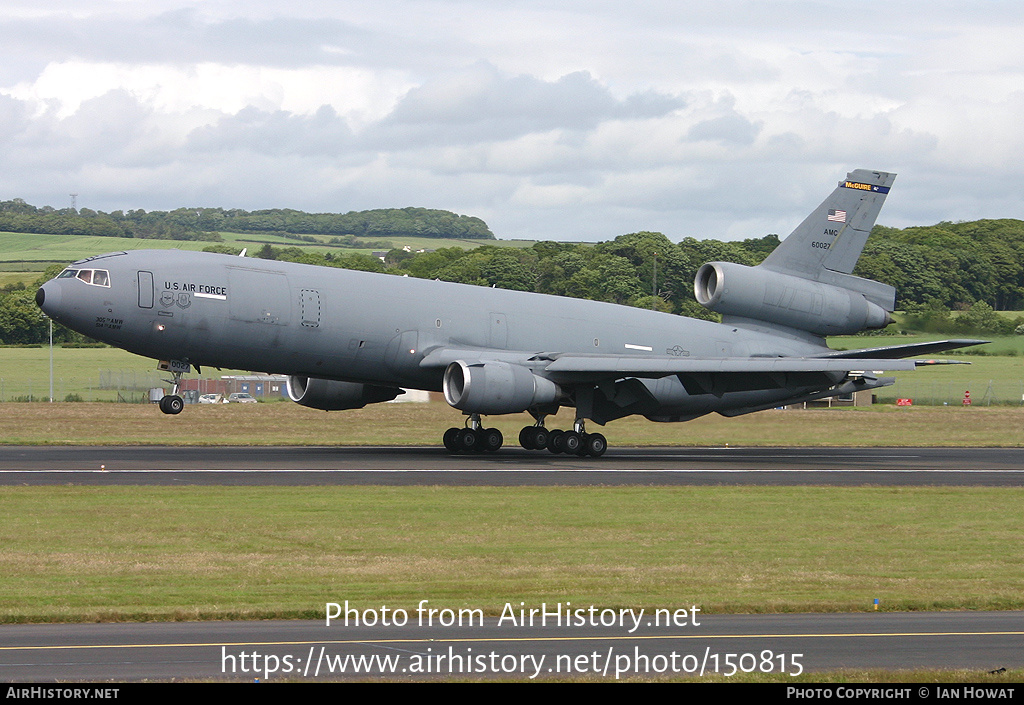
17 216
950 277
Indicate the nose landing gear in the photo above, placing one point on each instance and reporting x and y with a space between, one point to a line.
173 403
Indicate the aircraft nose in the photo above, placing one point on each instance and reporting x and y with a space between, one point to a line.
48 297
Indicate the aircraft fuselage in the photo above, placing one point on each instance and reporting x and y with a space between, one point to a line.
223 311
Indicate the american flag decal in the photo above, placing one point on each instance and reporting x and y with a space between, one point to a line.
837 216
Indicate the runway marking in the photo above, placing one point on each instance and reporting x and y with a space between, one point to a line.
576 470
435 640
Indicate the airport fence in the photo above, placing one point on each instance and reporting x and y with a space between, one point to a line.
128 386
132 386
979 392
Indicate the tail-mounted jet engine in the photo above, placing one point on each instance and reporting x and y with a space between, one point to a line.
331 395
496 387
764 295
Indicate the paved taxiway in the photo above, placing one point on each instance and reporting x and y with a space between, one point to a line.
157 465
975 641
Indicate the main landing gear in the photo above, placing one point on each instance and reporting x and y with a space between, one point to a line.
574 442
474 438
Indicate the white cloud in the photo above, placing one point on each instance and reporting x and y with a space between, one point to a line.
548 120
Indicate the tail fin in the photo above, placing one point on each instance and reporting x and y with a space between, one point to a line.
805 283
826 246
834 234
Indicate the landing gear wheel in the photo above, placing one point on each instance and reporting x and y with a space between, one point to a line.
450 439
533 438
526 439
489 440
571 442
554 443
540 437
582 450
172 404
594 445
466 439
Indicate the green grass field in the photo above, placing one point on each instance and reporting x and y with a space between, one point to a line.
998 345
285 423
23 256
995 374
25 372
94 374
31 247
107 374
85 553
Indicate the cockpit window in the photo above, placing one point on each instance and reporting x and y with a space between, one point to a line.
96 277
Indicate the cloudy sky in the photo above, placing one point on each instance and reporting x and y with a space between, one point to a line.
551 120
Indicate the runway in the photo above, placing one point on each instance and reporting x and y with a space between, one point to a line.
296 650
696 645
304 465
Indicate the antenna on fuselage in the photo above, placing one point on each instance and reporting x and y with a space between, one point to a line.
242 253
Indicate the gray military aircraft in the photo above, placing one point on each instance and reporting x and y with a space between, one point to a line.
349 338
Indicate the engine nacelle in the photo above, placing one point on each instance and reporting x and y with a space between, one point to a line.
495 387
752 292
329 395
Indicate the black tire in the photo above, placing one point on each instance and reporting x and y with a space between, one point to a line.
466 439
490 440
540 437
582 450
571 442
526 438
450 440
596 445
172 404
554 443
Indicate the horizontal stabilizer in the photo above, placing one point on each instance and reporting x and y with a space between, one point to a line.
857 385
902 351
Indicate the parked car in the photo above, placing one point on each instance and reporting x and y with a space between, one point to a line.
242 398
212 399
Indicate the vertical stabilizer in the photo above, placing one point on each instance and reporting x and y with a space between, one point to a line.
832 237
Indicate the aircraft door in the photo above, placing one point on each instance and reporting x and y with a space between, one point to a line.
499 331
145 289
402 352
309 301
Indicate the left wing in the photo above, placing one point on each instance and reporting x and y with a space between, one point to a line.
727 373
716 376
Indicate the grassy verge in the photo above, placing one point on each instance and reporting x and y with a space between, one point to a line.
94 374
32 247
82 371
85 553
284 423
